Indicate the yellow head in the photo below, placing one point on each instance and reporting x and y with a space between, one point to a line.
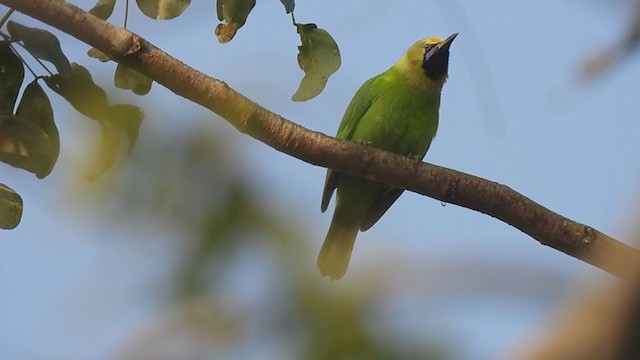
428 57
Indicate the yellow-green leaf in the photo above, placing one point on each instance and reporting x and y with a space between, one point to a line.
11 77
318 57
233 14
129 79
106 154
163 9
97 54
128 119
41 44
10 208
103 9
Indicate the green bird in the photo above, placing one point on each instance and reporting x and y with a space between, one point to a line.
396 111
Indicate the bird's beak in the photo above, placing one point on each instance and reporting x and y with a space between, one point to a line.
443 47
446 44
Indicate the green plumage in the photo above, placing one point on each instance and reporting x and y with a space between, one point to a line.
396 111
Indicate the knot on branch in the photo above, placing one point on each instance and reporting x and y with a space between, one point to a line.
135 45
588 234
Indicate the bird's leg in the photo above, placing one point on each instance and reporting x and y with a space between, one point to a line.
416 158
364 142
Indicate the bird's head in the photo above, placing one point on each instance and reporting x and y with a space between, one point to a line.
430 57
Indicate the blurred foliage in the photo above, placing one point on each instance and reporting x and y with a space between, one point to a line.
195 183
605 60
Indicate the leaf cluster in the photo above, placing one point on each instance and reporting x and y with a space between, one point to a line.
29 137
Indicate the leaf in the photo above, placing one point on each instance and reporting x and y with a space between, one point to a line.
106 154
318 57
97 54
103 9
35 107
234 13
129 79
25 145
10 208
163 9
11 77
127 118
289 5
41 44
81 92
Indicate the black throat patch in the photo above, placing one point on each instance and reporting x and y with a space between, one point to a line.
436 63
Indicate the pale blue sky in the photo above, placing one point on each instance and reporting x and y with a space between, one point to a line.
572 147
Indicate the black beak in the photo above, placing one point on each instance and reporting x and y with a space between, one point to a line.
436 59
446 44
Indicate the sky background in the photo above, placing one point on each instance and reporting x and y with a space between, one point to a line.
72 287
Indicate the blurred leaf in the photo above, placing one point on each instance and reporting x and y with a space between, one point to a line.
127 118
234 13
41 44
10 208
35 107
11 77
319 57
107 153
289 5
129 79
97 54
25 145
163 9
103 9
81 92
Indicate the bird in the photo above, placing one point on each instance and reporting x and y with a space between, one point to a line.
396 111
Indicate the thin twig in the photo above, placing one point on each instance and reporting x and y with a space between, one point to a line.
6 17
36 59
126 13
23 61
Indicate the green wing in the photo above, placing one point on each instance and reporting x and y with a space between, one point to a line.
358 106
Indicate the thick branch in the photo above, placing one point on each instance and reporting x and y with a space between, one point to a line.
499 201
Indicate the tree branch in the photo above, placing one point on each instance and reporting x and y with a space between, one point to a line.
488 197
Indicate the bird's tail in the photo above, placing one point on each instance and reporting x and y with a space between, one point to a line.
336 250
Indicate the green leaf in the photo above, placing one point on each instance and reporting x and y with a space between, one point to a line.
163 9
289 5
10 208
11 77
128 119
81 92
35 107
318 57
103 9
25 145
234 13
129 79
41 44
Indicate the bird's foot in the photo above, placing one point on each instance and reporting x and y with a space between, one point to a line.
364 142
416 158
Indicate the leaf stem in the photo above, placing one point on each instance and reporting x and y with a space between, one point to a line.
293 19
36 59
6 17
126 13
23 61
